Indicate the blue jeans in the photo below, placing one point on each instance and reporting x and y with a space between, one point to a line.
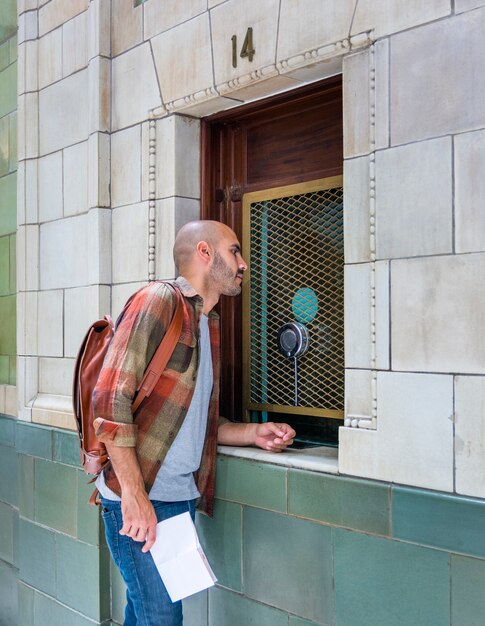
148 603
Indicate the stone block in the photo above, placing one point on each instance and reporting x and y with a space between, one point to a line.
356 81
99 28
469 192
37 556
437 90
55 375
120 294
381 94
171 215
414 199
50 187
470 435
50 58
193 62
99 170
28 67
27 380
57 12
63 246
99 246
69 98
126 166
134 72
178 147
31 191
130 243
437 314
28 26
99 78
126 26
28 126
75 178
11 400
310 24
160 17
53 411
467 5
234 18
358 394
74 44
386 18
82 307
357 283
357 210
50 323
27 322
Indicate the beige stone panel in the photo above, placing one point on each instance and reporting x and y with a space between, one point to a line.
214 3
99 170
356 210
28 126
356 116
413 444
178 157
171 215
31 191
99 28
50 187
26 5
324 68
50 323
470 192
437 314
381 94
261 88
234 18
468 5
11 400
310 24
55 375
50 58
99 246
120 294
75 179
63 246
63 113
134 73
358 395
357 316
27 322
184 68
53 410
28 26
126 26
31 66
130 243
159 17
99 78
390 16
2 399
21 215
28 257
414 199
438 89
207 106
126 166
470 435
382 315
82 307
58 12
27 381
74 44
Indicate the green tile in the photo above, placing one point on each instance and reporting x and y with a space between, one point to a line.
37 556
13 46
55 496
7 522
4 369
118 595
8 203
435 519
66 448
48 611
26 605
89 525
221 539
8 19
226 607
297 621
357 504
8 89
4 55
295 555
4 145
13 264
389 582
196 609
467 585
26 486
7 431
4 265
8 326
248 482
79 587
34 440
8 475
8 595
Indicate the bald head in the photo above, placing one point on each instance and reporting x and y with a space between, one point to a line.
193 233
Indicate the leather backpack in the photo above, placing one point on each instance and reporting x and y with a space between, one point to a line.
89 362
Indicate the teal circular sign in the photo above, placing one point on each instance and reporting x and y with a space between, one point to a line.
305 305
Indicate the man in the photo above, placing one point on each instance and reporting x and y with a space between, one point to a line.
154 459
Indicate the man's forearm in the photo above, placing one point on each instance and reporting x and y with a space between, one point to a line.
236 434
126 467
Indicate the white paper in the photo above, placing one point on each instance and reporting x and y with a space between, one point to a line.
180 559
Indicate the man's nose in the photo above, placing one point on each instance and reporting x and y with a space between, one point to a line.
243 265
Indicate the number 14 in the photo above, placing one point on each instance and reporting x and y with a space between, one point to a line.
247 49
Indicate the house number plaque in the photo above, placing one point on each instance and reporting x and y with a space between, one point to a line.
247 49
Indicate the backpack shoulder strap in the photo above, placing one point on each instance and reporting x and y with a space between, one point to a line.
164 351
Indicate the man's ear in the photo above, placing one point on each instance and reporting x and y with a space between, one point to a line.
203 251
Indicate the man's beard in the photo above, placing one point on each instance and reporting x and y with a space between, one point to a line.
222 274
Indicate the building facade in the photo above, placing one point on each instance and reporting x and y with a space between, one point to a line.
122 120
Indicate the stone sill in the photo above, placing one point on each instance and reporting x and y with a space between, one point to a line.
321 459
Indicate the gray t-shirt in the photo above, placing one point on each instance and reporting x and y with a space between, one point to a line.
175 480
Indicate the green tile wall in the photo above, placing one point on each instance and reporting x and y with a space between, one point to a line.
8 189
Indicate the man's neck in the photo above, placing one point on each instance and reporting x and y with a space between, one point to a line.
199 283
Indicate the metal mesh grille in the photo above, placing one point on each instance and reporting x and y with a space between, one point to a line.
296 273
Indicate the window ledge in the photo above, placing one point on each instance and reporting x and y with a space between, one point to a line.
321 459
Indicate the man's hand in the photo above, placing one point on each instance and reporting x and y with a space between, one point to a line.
139 518
274 437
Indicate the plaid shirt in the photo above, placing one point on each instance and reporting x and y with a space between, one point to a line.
160 416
